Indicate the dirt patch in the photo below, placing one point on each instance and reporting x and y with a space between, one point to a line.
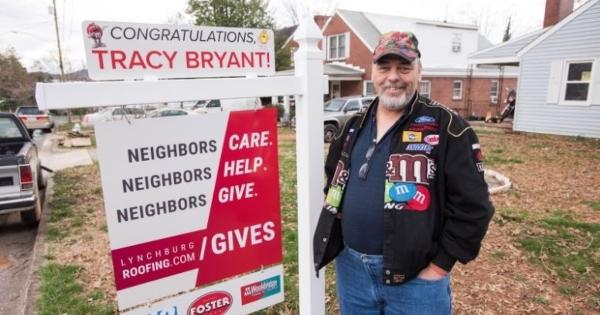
549 174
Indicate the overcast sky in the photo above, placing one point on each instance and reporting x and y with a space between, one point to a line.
28 26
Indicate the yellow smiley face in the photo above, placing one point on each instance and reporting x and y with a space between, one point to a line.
263 37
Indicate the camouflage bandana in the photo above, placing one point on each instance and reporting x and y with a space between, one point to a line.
402 44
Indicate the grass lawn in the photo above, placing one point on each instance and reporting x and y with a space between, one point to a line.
541 254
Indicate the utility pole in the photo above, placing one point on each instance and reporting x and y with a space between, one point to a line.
60 59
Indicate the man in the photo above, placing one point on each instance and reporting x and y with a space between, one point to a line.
406 197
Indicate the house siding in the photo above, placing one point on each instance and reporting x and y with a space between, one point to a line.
578 39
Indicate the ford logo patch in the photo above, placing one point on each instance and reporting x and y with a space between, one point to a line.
424 119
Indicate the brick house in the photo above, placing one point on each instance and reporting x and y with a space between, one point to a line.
350 38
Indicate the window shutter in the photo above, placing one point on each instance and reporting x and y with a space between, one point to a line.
327 57
595 84
347 37
554 82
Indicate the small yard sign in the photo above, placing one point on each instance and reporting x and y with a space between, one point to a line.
192 200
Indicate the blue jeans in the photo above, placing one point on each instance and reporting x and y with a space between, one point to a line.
360 289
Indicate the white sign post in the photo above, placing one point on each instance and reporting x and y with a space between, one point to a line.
308 85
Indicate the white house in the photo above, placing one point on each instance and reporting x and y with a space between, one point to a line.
559 83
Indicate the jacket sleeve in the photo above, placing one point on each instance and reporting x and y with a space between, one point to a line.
468 209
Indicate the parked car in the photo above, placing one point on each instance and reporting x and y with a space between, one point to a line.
207 106
339 110
167 111
21 177
112 113
34 118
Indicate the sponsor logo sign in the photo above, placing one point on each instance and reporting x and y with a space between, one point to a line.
260 290
186 196
132 50
213 303
411 136
223 298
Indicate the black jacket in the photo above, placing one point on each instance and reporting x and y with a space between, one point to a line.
437 152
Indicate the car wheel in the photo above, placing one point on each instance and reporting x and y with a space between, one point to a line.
40 179
330 132
32 217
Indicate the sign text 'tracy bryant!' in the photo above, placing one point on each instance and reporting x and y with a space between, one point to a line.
127 51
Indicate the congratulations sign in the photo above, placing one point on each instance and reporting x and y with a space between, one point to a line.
130 51
190 200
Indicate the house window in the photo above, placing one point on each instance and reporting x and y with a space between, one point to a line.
456 43
368 88
457 90
337 46
494 91
336 89
577 85
425 88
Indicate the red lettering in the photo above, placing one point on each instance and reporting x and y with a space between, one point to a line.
233 60
247 59
149 60
100 54
136 60
117 57
260 55
207 58
191 59
220 58
170 58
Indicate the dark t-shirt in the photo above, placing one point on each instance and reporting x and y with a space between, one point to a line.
362 207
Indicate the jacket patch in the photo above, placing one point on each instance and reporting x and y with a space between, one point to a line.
432 139
406 196
424 127
402 192
478 157
410 168
421 147
420 201
411 136
336 190
424 119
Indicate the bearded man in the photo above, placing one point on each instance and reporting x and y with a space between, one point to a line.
406 196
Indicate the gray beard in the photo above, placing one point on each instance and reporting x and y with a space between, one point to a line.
394 103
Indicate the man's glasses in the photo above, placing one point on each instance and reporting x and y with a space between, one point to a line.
364 169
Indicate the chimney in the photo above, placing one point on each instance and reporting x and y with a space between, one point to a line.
320 20
556 10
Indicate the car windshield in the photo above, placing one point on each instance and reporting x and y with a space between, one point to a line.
9 129
30 111
334 105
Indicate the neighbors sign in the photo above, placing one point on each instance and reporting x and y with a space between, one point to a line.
133 51
191 200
